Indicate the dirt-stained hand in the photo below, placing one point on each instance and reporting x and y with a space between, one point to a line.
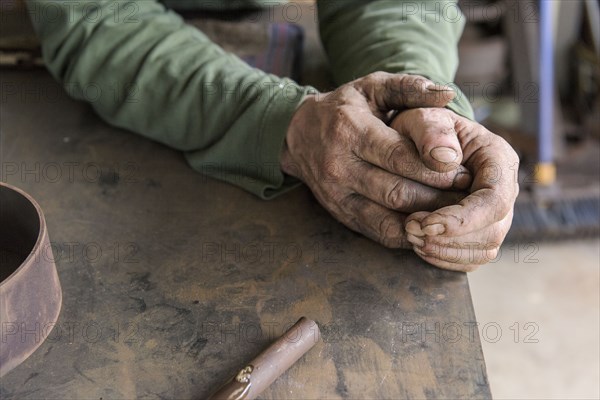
368 175
469 233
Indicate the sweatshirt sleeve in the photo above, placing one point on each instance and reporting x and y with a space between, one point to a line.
156 76
398 36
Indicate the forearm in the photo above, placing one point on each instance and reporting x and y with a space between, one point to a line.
161 78
414 37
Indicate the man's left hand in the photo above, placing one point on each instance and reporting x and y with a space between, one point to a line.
465 235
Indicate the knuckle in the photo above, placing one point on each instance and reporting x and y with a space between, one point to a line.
332 171
393 156
411 86
393 197
376 76
341 127
344 113
420 113
414 82
388 232
407 197
346 92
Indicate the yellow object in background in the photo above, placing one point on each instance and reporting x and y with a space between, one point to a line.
545 174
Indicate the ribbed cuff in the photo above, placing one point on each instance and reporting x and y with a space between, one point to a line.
273 129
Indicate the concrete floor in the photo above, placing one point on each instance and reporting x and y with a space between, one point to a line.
552 291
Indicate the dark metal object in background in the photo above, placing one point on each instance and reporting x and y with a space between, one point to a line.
30 295
255 377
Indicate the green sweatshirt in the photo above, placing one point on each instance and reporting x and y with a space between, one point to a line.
152 74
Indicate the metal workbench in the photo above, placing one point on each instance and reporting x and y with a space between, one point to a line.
172 281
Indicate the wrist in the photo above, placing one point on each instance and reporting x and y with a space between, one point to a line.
295 129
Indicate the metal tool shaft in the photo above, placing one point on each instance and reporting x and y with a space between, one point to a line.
262 371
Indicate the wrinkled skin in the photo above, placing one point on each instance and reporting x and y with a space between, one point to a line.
398 183
467 234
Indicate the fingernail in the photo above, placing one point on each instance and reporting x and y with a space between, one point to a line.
415 240
439 88
434 229
444 154
414 228
462 180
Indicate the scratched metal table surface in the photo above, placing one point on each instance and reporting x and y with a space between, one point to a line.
172 281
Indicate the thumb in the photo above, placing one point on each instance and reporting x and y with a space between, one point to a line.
388 92
433 132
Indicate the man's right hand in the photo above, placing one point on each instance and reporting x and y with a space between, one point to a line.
362 171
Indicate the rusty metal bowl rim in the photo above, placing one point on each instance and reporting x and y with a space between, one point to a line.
33 288
41 232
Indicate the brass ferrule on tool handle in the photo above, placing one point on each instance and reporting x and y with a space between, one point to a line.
261 372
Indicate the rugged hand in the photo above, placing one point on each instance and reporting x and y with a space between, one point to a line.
465 235
364 172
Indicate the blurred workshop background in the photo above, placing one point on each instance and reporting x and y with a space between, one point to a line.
546 283
532 72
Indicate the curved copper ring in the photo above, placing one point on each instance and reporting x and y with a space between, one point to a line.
30 293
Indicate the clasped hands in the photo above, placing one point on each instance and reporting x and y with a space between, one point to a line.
384 157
